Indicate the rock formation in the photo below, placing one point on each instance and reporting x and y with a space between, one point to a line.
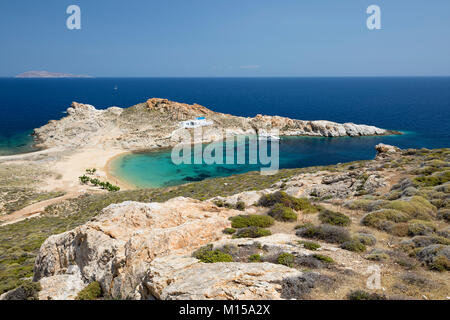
156 124
116 248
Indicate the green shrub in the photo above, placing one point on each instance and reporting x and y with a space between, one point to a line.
84 179
240 205
27 290
325 232
417 207
440 263
286 259
252 232
353 245
91 292
434 180
377 219
298 204
334 218
229 230
310 245
222 204
420 227
252 220
379 256
206 254
323 258
398 229
304 225
255 258
219 203
282 213
363 295
360 204
365 238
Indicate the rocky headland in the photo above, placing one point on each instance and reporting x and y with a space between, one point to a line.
155 124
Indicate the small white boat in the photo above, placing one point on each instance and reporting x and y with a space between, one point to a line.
268 137
116 87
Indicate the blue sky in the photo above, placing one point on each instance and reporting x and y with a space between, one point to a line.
222 38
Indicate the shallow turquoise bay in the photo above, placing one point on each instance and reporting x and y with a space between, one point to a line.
156 169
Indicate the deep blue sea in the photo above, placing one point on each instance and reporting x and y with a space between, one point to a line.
420 107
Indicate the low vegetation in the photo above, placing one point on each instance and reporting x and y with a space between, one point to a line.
334 218
325 232
207 254
323 258
354 245
92 291
310 245
282 213
280 197
229 230
252 220
255 258
252 232
286 259
96 182
364 295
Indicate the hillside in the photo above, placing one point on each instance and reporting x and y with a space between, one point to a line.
328 228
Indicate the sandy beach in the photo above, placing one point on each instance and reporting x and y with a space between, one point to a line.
68 166
74 165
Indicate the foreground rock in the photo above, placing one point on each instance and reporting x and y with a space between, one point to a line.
183 278
156 124
117 247
144 251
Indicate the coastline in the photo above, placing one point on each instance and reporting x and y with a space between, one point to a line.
122 183
72 164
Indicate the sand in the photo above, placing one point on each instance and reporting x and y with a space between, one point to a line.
67 167
73 165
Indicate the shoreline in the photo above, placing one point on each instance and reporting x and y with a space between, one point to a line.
70 164
122 183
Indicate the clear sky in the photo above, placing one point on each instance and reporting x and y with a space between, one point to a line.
203 38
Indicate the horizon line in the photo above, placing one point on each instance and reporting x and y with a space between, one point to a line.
231 77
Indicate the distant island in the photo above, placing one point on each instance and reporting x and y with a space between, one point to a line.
47 74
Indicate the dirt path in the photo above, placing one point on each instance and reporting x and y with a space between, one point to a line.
34 209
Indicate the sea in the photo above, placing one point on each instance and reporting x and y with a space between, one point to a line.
419 107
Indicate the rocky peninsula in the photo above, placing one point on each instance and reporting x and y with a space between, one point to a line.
155 124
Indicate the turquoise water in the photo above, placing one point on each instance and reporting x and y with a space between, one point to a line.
156 169
20 142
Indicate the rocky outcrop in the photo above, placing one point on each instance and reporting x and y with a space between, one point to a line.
181 278
383 149
156 124
116 248
144 251
333 185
